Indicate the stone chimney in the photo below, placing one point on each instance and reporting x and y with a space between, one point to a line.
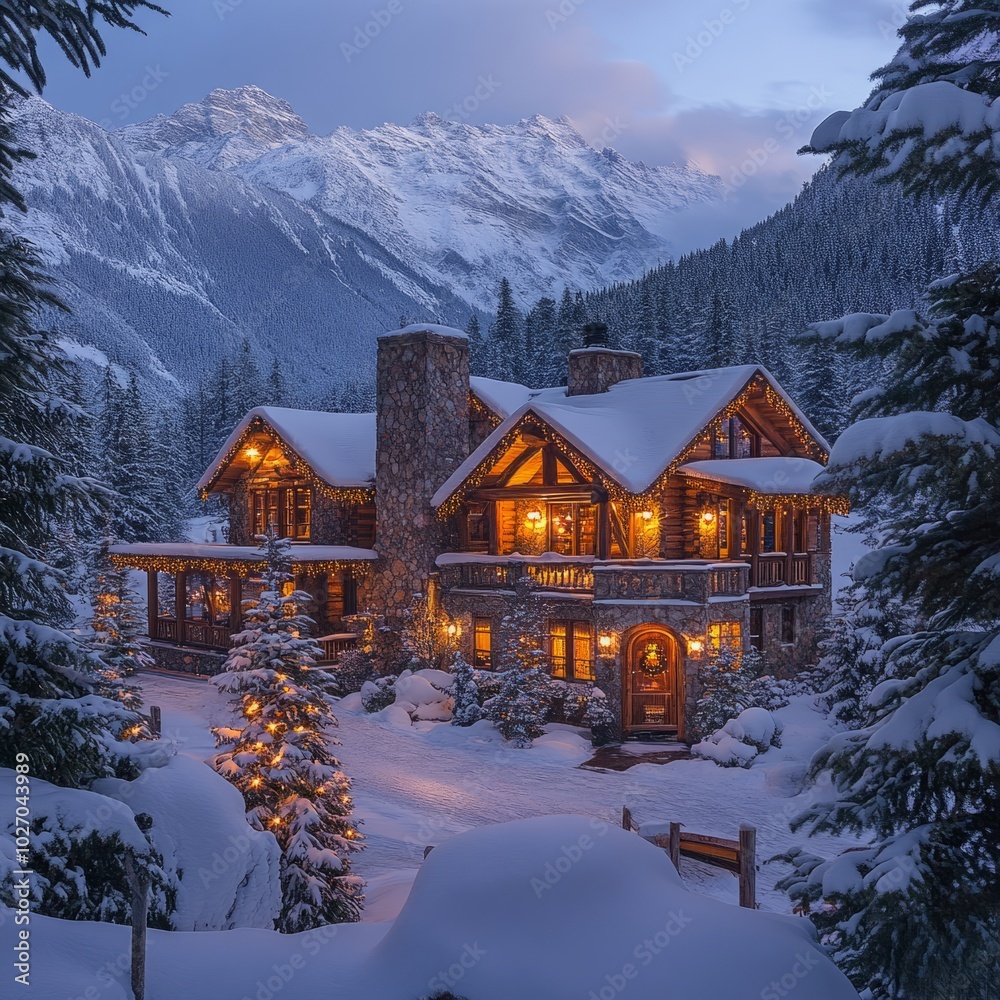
422 434
596 367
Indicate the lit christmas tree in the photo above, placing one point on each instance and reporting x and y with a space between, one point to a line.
281 759
117 623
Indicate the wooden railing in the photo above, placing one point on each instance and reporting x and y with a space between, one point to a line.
563 576
776 569
337 644
572 577
193 633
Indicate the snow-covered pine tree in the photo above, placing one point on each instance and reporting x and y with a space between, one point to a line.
922 778
47 680
505 346
931 121
281 758
734 681
519 708
117 622
466 710
599 717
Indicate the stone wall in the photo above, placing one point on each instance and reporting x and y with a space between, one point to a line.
596 369
422 402
186 660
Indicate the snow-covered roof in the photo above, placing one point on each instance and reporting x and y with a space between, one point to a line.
765 475
503 398
633 431
198 555
444 331
338 447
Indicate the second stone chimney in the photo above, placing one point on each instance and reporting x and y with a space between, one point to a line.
596 367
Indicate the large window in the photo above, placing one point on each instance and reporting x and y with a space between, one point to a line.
728 634
734 439
573 528
482 643
571 650
289 509
207 598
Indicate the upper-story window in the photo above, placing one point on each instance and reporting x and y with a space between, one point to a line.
573 528
289 509
735 439
477 527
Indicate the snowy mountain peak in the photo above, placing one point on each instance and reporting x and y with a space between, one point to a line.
226 128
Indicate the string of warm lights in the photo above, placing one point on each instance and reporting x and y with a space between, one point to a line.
343 494
799 501
153 563
479 409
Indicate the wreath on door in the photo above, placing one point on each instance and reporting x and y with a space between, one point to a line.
652 660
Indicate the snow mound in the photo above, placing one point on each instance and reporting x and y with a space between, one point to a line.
425 695
566 906
229 873
741 740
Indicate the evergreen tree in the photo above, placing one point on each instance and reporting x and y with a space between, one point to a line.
118 624
519 709
466 709
922 777
477 347
247 389
506 342
282 760
276 388
542 366
929 122
732 682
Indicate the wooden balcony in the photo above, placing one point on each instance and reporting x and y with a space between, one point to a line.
778 569
193 633
568 574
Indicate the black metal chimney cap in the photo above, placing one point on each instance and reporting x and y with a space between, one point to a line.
595 335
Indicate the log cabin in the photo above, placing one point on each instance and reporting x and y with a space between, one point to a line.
657 519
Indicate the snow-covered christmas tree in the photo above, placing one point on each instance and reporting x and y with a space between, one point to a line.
519 708
281 758
466 693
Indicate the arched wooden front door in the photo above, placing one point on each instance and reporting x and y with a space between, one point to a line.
652 664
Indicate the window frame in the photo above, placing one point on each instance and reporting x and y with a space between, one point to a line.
286 504
576 632
479 627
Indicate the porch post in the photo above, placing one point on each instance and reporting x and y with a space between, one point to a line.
235 602
789 544
604 529
180 604
152 601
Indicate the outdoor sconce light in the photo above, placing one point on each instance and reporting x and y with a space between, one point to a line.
452 630
696 647
252 453
647 515
534 516
708 516
605 641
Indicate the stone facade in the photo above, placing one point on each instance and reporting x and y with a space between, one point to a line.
596 369
186 660
422 401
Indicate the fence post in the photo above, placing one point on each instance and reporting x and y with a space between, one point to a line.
675 845
155 720
627 823
748 866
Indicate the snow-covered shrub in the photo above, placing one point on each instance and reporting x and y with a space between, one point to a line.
82 877
467 709
488 682
520 708
378 693
424 635
732 682
740 740
352 671
425 695
599 717
567 702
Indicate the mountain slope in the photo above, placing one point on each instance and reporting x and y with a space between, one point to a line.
465 204
167 265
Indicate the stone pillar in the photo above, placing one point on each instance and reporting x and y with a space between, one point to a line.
596 369
422 406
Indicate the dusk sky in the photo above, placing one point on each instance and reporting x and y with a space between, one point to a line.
717 84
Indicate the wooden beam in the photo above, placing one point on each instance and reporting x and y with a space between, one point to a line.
674 845
748 866
521 460
603 530
565 493
152 601
550 475
180 603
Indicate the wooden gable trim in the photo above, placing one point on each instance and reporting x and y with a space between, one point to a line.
300 467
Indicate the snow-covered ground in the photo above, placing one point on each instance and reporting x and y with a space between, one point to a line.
416 786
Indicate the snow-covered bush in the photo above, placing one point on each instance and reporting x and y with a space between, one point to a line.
425 695
599 717
467 709
741 740
520 707
378 693
352 671
424 635
732 682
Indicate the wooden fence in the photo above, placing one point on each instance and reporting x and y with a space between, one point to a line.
737 856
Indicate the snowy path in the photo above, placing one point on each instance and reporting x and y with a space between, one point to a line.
413 788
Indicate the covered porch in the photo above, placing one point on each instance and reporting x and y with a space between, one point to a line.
196 591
